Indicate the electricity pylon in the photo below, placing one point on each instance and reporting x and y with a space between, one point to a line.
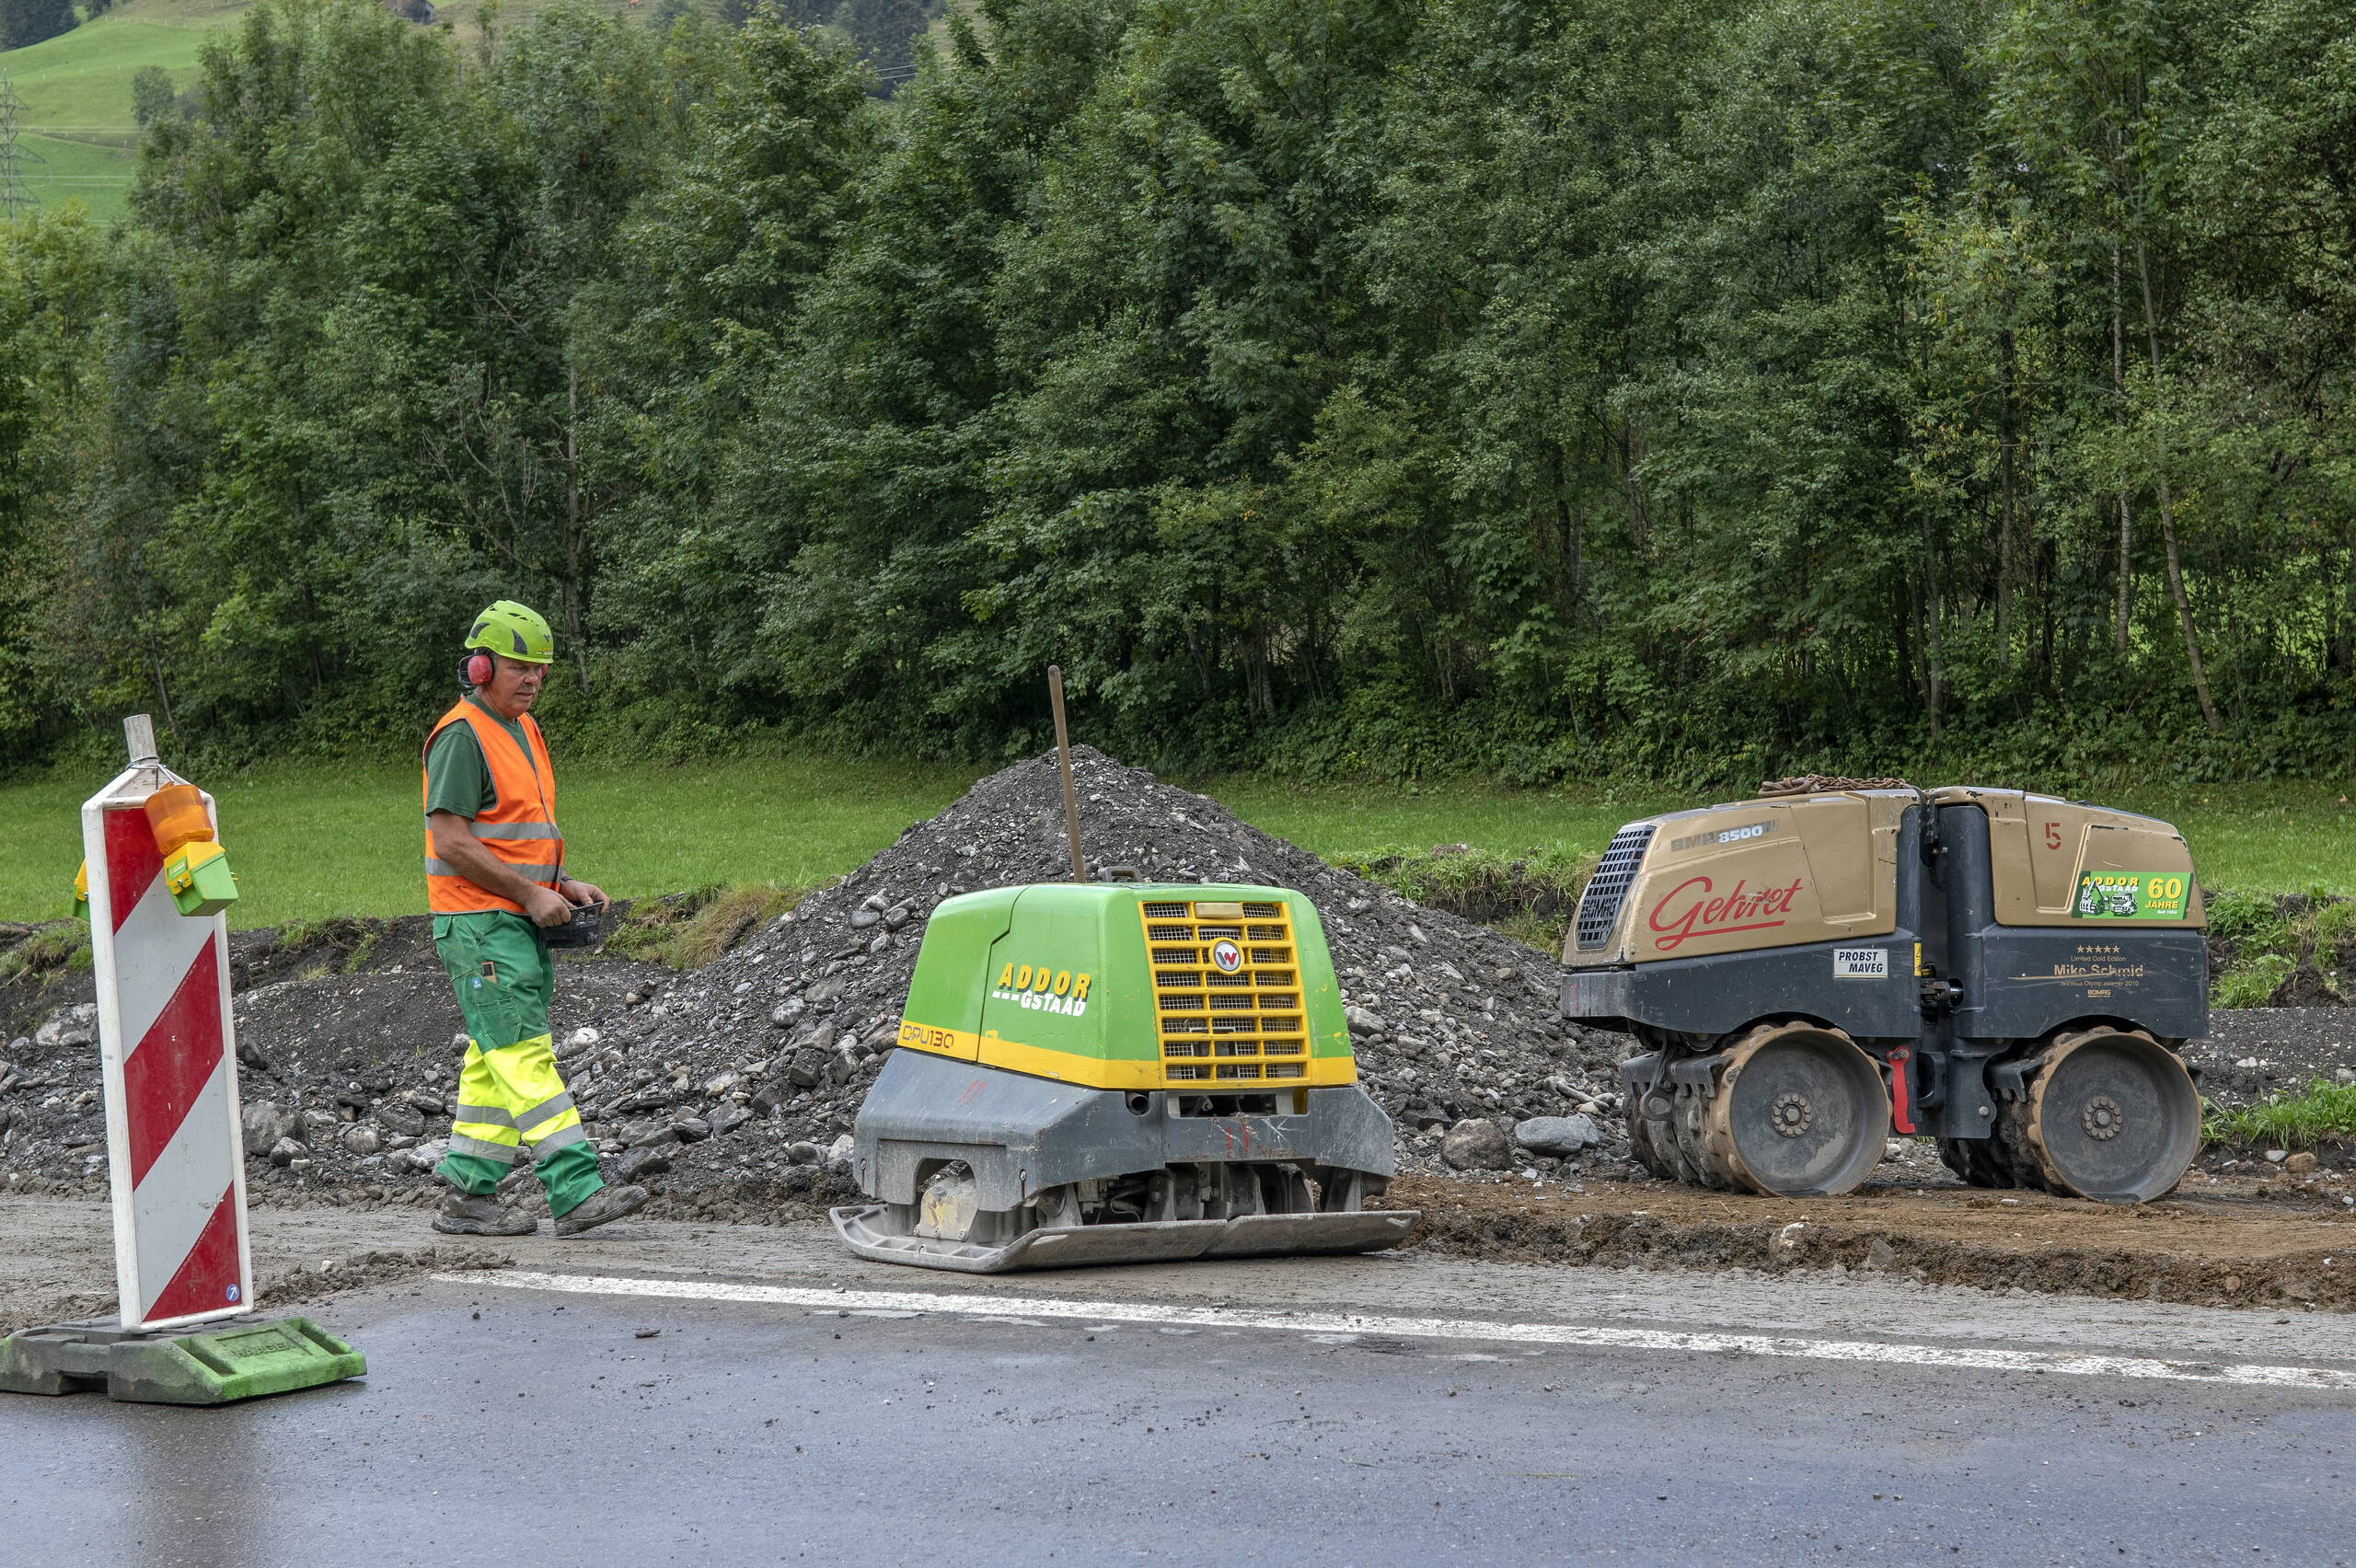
14 200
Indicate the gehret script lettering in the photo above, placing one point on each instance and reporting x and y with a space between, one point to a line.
1704 915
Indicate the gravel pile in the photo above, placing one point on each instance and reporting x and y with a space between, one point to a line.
777 1041
732 1089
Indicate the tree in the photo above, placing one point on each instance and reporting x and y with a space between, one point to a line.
24 22
54 284
152 95
1701 388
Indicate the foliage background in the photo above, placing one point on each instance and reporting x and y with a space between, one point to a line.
1545 388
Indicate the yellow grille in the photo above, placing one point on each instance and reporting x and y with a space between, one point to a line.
1260 1032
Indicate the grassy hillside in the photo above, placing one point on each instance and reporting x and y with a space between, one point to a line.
76 87
311 841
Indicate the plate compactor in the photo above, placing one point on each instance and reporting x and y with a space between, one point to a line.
1120 1072
2013 973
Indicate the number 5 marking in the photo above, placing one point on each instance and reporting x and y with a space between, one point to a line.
2053 836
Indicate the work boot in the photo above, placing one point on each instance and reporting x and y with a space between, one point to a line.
604 1203
463 1216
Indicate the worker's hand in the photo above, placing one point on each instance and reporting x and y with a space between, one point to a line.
583 892
546 906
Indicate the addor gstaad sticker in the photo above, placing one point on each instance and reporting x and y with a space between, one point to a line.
2131 896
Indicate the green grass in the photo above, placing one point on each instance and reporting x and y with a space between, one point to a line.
61 947
100 177
2285 837
1360 819
311 842
2249 982
688 930
76 88
2263 939
2289 1121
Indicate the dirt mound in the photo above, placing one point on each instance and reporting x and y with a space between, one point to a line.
45 967
2275 1241
292 1285
730 1089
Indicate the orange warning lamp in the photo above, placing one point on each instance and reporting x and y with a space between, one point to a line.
176 816
196 871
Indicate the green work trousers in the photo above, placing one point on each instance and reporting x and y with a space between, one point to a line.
510 1092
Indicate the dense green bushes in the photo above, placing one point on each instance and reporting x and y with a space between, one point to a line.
1708 388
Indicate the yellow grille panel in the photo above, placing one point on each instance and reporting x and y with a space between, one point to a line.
1246 971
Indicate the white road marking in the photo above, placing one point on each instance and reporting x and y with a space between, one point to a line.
1003 1309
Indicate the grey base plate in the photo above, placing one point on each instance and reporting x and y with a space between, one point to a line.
1258 1235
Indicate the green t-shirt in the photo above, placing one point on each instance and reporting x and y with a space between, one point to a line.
457 778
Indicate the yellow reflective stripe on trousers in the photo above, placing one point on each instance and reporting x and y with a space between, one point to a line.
547 1110
538 1136
548 1143
502 1153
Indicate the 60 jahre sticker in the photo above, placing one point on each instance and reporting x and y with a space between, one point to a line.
2131 896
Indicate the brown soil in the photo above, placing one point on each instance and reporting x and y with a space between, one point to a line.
294 1285
2215 1241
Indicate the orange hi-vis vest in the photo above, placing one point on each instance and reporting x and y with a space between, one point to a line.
520 830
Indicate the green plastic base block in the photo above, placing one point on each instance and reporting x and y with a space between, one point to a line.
234 1359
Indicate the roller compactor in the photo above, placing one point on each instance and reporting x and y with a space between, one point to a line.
1120 1072
2013 974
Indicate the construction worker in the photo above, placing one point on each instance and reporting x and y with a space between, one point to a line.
495 878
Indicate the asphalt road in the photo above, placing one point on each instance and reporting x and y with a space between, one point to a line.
501 1423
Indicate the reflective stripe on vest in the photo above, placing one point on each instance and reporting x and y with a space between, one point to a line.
519 831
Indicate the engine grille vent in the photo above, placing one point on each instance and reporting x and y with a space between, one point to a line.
1263 1032
1608 888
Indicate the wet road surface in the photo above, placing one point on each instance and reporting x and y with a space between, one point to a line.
501 1423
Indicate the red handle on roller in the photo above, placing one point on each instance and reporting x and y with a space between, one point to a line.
1901 1110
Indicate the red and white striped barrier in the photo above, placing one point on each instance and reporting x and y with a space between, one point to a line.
175 1143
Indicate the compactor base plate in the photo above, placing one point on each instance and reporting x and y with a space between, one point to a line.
1258 1235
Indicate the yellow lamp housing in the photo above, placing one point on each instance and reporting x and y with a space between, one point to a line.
82 892
197 875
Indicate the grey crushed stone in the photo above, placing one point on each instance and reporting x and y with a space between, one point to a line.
1476 1143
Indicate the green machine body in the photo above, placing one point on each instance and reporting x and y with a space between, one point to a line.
1119 1071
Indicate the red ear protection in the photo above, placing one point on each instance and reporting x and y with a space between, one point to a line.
476 669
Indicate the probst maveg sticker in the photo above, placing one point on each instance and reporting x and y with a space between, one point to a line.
1226 957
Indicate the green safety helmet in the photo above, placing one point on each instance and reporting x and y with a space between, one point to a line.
515 631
